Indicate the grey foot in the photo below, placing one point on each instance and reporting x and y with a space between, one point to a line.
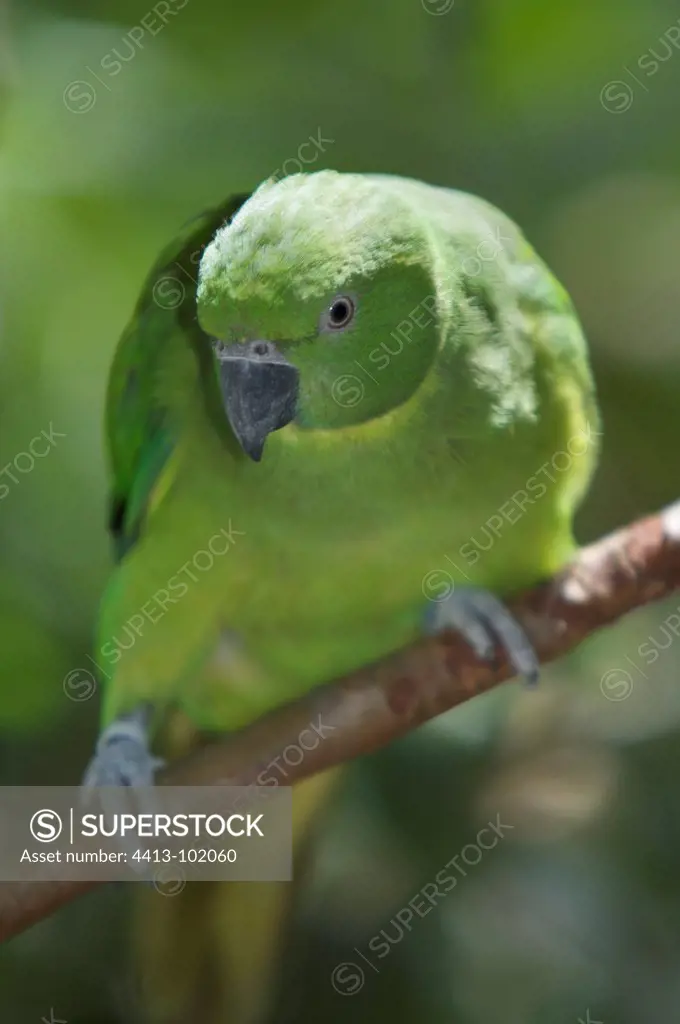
122 756
123 759
484 621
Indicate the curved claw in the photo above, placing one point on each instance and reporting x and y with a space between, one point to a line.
484 621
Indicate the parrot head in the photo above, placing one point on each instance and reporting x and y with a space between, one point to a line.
302 295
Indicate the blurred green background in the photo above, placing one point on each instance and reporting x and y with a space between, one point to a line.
120 120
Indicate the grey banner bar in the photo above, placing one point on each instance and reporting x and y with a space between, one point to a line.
166 835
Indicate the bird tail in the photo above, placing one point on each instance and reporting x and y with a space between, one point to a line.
210 952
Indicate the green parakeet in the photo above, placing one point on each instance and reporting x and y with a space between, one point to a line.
348 408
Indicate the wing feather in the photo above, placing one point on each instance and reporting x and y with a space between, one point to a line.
138 428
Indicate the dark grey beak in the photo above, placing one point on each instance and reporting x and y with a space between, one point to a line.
259 390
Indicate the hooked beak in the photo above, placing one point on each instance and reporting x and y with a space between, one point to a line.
259 390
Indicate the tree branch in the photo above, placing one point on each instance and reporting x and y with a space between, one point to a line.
377 704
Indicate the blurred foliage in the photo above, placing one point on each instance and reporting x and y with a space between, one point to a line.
563 114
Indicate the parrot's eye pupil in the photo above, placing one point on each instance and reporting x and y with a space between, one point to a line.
340 312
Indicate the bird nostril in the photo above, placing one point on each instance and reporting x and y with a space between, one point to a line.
260 348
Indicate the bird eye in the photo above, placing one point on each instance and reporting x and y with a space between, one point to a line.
339 314
219 346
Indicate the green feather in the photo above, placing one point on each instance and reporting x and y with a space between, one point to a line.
456 408
446 435
139 429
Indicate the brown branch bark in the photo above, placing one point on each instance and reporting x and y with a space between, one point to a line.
377 704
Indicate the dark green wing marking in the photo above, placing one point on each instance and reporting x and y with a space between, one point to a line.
138 432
